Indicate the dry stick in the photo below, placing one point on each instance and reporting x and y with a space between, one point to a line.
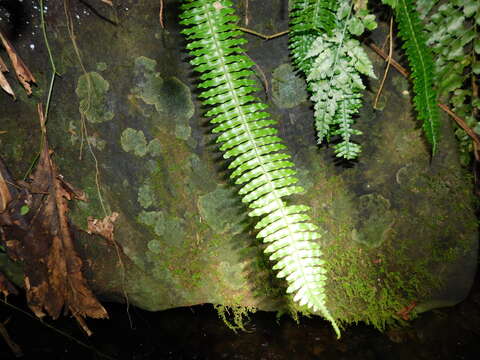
17 351
71 33
58 331
389 60
461 123
160 15
263 36
444 107
246 13
395 64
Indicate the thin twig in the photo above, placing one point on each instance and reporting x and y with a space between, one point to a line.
246 13
263 36
444 107
17 351
71 33
461 123
50 56
389 60
395 64
68 336
160 15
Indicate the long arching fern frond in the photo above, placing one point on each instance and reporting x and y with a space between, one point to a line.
421 63
332 61
264 171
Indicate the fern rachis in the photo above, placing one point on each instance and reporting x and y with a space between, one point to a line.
264 172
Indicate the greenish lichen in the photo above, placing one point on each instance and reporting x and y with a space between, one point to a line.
155 246
169 228
171 98
134 141
154 147
222 210
92 91
101 66
288 89
146 196
375 219
155 219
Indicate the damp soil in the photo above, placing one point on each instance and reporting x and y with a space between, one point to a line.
198 333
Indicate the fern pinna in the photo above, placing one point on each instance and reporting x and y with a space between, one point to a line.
324 50
265 173
421 63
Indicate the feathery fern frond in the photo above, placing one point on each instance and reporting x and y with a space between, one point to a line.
452 32
322 47
265 173
421 63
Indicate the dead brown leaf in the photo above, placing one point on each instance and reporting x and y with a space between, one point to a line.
102 227
6 287
23 73
108 2
42 240
3 66
5 85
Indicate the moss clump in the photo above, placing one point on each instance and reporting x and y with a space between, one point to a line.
234 316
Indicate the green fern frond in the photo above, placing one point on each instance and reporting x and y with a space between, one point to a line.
332 62
451 30
265 173
309 18
421 63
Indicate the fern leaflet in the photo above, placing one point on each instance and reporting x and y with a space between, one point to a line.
323 49
258 163
421 63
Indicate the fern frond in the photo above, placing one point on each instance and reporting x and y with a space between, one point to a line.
265 173
421 63
332 62
451 30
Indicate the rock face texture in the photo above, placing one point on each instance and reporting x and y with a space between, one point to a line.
127 128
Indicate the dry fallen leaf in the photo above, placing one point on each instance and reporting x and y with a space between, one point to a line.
108 2
102 227
42 240
5 85
3 66
6 287
23 73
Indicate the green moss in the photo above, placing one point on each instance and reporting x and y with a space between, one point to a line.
134 141
234 316
92 91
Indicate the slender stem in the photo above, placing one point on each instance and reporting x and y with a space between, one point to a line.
52 62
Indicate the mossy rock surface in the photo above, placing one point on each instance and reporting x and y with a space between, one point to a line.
399 226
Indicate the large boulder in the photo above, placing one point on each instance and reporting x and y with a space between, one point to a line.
127 128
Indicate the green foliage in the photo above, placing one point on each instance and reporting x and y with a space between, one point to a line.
421 63
332 61
452 32
248 139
